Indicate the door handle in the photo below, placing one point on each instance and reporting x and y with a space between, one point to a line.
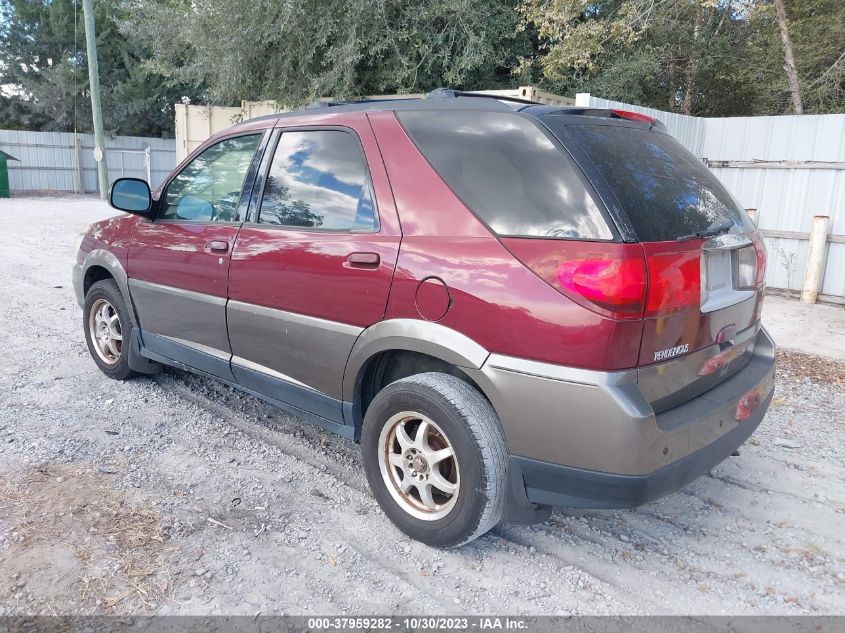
217 246
362 260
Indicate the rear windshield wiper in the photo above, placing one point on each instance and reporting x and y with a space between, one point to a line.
714 229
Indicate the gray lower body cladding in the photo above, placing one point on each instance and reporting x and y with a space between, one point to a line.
76 278
196 318
556 485
301 349
313 406
598 443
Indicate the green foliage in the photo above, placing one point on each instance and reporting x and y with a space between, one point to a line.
817 28
296 51
35 57
43 66
705 57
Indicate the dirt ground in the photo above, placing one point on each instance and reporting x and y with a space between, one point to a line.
178 495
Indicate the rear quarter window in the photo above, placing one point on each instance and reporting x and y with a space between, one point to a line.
509 173
663 189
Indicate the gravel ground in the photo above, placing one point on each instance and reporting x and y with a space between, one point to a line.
176 494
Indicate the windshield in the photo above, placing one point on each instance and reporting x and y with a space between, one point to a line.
666 192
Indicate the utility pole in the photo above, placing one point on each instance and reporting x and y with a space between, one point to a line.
96 110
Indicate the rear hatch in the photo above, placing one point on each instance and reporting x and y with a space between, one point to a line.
705 260
616 215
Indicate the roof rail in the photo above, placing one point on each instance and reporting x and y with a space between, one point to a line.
317 104
448 93
320 103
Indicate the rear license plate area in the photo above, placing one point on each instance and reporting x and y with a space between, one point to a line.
719 271
718 285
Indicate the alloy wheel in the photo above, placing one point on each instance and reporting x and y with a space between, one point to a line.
106 331
419 466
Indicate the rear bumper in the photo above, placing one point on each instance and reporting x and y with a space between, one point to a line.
554 484
599 444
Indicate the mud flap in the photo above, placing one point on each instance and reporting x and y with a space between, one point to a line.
518 509
137 361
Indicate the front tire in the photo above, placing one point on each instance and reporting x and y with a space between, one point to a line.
108 329
436 458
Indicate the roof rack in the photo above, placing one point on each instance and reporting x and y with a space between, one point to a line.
320 103
437 93
448 93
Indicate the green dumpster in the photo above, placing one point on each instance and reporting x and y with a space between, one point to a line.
5 190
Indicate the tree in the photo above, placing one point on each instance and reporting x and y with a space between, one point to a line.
666 54
39 65
299 50
816 30
705 57
44 66
789 58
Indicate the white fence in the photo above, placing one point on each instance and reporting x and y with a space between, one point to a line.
61 161
788 168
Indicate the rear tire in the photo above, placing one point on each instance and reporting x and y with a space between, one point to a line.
108 329
436 458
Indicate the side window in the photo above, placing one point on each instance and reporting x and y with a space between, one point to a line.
318 179
209 187
505 170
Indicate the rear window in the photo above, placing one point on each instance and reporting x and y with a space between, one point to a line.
665 191
508 172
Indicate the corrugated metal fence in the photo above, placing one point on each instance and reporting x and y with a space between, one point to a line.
788 168
61 161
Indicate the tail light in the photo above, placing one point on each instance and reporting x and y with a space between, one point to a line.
621 281
674 276
617 284
604 277
746 268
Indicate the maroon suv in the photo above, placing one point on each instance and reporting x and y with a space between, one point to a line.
512 306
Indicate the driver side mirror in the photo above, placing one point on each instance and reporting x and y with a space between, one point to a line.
131 195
